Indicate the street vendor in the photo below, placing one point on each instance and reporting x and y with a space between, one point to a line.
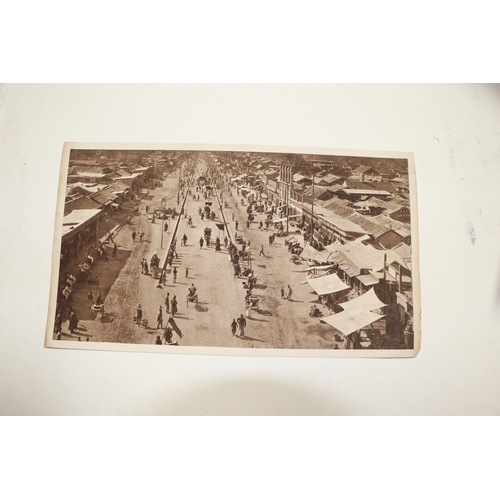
315 312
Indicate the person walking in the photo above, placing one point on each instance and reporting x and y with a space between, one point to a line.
134 234
175 274
187 272
201 243
146 268
100 299
289 295
159 319
141 234
90 296
73 321
173 306
184 240
115 249
58 325
138 314
282 293
242 323
167 303
262 251
234 327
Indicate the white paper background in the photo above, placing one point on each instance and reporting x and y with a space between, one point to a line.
453 130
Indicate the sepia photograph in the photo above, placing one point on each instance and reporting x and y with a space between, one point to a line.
253 251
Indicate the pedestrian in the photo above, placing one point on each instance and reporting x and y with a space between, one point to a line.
175 274
90 296
100 299
138 314
58 325
167 335
201 243
115 249
133 235
234 326
173 306
262 251
158 340
282 293
270 239
241 324
159 319
141 234
236 225
146 268
167 303
142 266
289 296
73 321
225 241
187 272
248 224
165 227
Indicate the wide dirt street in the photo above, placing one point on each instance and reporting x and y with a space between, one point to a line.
278 323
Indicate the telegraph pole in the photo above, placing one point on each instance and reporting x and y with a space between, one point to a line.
312 211
289 187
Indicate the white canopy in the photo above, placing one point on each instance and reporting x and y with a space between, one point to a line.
350 321
366 302
333 246
324 285
319 268
310 253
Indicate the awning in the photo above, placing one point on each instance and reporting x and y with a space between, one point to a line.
325 285
380 275
348 270
366 302
350 321
367 279
333 246
310 253
220 226
320 268
115 205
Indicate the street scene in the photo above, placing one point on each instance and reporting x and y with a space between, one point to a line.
235 249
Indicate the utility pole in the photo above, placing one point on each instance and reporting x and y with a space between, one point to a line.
162 229
289 187
312 211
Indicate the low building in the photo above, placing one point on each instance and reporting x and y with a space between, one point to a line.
80 202
79 234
